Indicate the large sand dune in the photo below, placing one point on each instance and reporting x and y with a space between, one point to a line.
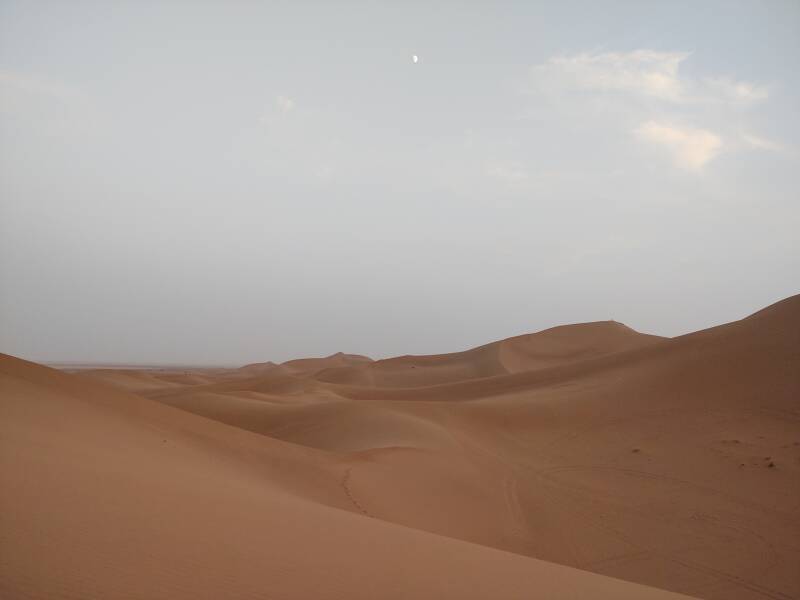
584 461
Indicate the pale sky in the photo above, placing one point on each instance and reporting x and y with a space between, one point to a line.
232 182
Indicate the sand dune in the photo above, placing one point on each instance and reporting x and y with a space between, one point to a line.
552 347
584 461
108 495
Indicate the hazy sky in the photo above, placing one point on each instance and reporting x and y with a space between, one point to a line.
231 182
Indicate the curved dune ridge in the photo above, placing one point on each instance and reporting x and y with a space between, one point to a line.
583 461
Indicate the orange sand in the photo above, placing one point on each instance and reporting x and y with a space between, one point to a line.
577 462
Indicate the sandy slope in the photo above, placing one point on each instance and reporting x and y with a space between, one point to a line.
673 463
107 495
552 347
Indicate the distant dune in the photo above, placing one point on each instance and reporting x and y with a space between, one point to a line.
583 461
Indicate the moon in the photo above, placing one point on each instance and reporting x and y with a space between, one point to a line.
415 59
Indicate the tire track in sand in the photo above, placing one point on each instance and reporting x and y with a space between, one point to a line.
345 482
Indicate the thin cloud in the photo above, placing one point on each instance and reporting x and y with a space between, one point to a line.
14 82
48 104
761 143
284 104
690 148
735 91
281 105
644 73
510 172
648 87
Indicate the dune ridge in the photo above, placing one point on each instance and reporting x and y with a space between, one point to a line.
584 460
